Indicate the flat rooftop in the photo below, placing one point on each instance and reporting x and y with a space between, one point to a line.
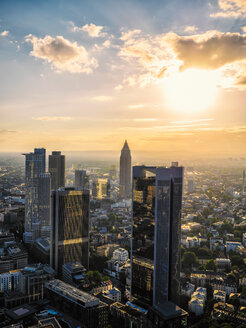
74 294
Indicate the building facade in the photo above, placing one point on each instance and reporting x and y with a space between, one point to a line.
37 197
156 235
81 179
69 227
57 170
125 171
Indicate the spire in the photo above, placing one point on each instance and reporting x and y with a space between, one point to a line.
125 147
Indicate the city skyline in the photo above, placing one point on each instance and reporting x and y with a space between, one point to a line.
70 71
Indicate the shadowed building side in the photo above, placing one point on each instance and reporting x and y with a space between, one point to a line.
125 171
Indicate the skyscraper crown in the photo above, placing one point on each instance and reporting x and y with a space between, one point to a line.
125 147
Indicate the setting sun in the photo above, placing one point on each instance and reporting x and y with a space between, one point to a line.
192 90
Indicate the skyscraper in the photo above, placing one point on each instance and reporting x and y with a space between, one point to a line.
57 170
69 227
156 235
81 179
125 171
37 194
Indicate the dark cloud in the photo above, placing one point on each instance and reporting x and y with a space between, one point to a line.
211 53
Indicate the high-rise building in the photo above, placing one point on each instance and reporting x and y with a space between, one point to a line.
125 171
101 188
37 197
57 170
81 179
69 227
156 236
191 186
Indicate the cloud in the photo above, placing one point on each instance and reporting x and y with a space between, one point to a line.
212 52
101 98
93 30
230 9
190 29
62 54
4 33
192 121
52 118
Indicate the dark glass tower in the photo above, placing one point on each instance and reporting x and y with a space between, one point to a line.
69 227
57 170
125 171
156 235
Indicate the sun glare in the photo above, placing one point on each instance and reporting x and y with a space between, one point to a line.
191 90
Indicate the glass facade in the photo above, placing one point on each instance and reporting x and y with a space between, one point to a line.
57 170
156 234
70 227
36 186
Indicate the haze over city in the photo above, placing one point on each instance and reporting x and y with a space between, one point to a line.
168 75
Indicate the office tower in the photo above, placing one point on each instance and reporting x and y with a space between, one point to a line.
57 170
125 171
36 184
156 236
81 179
243 182
69 227
191 186
101 188
44 182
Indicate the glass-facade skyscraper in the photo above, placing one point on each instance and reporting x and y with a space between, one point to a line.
156 236
81 179
69 227
125 171
37 195
57 170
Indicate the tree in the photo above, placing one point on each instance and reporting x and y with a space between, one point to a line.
211 265
204 253
189 259
90 276
97 277
106 278
237 260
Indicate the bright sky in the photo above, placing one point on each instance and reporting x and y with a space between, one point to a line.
86 75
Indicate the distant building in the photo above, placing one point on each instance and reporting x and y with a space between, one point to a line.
232 246
223 264
69 227
156 237
57 170
191 186
81 179
120 255
125 171
219 295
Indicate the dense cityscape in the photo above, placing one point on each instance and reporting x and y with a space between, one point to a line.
122 164
118 245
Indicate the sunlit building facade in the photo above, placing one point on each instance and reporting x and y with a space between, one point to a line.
69 227
156 235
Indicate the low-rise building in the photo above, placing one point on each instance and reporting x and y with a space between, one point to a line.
223 263
114 294
120 255
86 308
219 295
73 273
232 245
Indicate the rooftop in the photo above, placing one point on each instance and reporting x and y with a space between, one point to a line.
72 293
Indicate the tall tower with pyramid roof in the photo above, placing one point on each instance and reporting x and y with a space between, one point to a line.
125 171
